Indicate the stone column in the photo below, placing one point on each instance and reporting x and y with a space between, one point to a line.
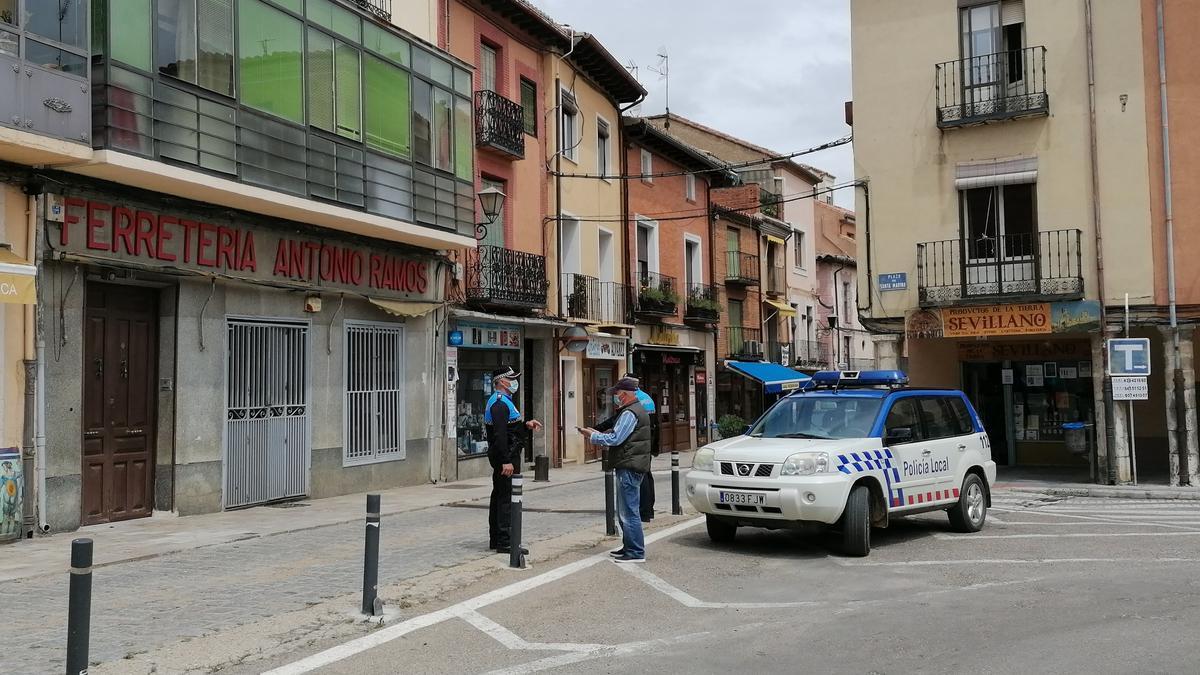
1119 421
887 351
1184 469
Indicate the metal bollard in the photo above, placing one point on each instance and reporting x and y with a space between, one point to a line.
676 507
371 558
515 557
610 502
79 608
541 469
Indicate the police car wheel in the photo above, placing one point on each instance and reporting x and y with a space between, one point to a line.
856 522
720 531
969 514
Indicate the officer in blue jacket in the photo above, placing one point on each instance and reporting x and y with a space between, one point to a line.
506 444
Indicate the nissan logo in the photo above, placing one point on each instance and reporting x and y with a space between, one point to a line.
744 469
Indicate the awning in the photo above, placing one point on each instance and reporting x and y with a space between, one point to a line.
18 279
774 377
402 308
523 320
784 308
777 240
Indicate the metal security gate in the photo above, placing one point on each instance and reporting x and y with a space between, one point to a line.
373 425
267 439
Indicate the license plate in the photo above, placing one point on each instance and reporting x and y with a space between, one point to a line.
742 498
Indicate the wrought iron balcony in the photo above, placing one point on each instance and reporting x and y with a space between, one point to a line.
499 124
1004 85
744 343
500 277
703 304
1010 268
741 268
589 299
657 295
811 354
379 8
769 203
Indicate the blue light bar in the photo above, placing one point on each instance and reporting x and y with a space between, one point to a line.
859 378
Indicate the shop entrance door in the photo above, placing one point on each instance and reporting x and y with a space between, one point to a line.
267 439
985 389
675 431
119 404
598 402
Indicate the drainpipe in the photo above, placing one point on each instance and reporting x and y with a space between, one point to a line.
1180 401
1110 438
35 369
29 422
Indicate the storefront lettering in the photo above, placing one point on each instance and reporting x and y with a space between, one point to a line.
1003 319
123 232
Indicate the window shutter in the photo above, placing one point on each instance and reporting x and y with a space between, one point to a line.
1012 11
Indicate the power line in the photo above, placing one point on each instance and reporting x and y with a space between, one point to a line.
739 165
665 217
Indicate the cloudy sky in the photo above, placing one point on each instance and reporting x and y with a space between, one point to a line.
774 73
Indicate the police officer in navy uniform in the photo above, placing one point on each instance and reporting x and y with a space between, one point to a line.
506 445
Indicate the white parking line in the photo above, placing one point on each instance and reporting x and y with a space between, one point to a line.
687 600
385 635
515 642
613 650
1008 561
981 537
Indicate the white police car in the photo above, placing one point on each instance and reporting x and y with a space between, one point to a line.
851 450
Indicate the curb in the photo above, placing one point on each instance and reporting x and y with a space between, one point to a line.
1113 492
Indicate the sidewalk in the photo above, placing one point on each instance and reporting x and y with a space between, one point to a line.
1072 484
165 580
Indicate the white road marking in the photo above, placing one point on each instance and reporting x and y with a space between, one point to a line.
1099 523
1100 519
515 642
981 537
614 650
688 600
385 635
1009 561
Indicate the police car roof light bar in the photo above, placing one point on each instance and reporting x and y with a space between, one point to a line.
858 378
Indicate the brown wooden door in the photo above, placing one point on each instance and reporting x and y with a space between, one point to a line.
119 369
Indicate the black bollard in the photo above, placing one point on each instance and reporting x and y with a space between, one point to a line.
541 469
676 507
610 502
79 609
515 557
371 557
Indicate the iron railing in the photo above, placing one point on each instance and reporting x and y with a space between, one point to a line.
379 8
769 203
996 86
1029 266
776 280
589 299
703 304
503 277
741 268
744 343
657 295
499 124
811 354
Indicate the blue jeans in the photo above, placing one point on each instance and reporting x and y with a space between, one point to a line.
629 504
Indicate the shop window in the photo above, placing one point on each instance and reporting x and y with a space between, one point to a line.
387 89
272 75
475 367
373 428
194 41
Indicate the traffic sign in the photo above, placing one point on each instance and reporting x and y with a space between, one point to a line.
1130 389
1128 356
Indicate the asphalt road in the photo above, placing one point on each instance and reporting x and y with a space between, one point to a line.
1051 585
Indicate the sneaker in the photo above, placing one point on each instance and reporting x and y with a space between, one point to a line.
629 559
617 553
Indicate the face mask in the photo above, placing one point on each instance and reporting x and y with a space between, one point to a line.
617 401
512 387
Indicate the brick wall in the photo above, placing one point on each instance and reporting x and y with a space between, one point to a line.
743 198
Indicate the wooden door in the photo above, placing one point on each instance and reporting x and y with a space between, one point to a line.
120 356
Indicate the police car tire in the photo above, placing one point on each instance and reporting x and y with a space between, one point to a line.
960 519
856 523
720 531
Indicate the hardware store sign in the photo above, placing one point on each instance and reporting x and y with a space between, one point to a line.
134 234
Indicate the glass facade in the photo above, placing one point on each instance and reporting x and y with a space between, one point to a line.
311 97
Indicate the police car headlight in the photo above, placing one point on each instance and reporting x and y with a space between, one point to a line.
805 464
703 460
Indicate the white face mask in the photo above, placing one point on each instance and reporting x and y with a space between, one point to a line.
512 386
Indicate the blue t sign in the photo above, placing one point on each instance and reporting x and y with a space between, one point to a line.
456 338
1129 356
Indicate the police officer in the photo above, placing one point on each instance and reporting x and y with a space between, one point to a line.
506 444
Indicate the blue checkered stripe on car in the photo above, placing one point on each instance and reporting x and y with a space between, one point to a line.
874 460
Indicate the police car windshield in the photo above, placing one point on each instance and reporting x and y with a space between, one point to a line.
821 417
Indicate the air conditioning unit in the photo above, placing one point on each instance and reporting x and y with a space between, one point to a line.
752 347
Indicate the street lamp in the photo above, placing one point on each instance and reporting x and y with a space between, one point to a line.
492 201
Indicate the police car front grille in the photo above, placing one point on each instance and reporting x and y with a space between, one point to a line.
747 469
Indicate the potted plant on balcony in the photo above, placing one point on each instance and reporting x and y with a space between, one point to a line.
658 299
703 307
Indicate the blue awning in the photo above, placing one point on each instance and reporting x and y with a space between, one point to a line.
774 377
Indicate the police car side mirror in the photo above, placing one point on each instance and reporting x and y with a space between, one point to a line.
746 430
898 435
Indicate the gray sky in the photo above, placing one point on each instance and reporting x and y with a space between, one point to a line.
774 73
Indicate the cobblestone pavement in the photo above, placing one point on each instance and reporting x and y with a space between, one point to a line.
140 605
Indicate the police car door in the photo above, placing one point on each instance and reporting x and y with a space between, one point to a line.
942 455
902 434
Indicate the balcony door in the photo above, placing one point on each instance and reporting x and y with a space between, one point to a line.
495 230
1000 241
736 338
981 39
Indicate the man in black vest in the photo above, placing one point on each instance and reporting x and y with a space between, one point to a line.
647 506
629 455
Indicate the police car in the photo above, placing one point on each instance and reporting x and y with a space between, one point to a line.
849 450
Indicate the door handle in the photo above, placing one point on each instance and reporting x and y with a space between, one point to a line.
926 453
962 448
125 369
99 367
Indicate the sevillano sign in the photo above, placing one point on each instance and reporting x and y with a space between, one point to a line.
133 234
